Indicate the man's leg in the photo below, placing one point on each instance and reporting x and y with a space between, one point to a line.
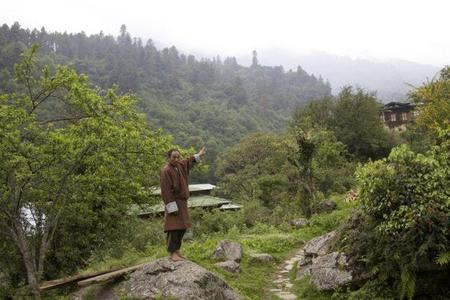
173 239
179 241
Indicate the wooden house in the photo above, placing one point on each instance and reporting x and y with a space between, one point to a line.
396 115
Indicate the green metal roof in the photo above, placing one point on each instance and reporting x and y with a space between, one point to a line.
193 201
192 188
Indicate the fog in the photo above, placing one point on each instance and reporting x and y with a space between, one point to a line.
379 45
408 30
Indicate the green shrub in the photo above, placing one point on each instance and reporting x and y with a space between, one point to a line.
404 216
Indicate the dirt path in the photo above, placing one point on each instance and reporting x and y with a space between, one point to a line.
282 282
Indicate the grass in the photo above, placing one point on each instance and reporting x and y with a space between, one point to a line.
304 290
255 278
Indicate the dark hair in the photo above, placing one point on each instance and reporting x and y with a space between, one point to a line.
169 153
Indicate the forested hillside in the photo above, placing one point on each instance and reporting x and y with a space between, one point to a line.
392 79
212 102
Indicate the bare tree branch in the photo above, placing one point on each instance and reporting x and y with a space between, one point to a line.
35 105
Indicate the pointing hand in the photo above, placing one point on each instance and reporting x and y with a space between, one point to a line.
202 151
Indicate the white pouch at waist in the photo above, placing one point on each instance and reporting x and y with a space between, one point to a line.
171 207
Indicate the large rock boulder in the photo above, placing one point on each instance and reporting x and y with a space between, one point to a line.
319 245
180 280
329 271
227 250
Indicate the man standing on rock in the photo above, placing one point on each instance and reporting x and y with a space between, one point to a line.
175 193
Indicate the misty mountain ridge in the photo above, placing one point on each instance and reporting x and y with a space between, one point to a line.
392 79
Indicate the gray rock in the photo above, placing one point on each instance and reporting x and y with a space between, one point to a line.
319 245
261 257
304 260
299 223
328 272
179 280
229 265
329 278
227 250
326 261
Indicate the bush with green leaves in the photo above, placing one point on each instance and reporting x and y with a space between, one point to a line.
404 215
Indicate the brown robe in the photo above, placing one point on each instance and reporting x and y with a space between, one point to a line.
174 187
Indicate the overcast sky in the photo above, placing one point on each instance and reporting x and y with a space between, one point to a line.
405 29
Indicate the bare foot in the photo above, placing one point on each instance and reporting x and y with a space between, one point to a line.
179 254
175 257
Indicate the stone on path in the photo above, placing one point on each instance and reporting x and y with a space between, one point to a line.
286 296
283 282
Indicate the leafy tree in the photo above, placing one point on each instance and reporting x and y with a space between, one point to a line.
93 155
433 100
302 160
357 124
318 113
332 165
275 169
255 168
353 116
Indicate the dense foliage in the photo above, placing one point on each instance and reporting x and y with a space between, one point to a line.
353 116
68 178
265 170
433 100
400 237
402 229
210 102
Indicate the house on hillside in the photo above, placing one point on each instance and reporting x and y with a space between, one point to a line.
396 115
199 198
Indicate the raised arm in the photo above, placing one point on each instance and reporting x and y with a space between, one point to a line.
190 161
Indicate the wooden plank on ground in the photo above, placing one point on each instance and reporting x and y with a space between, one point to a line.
67 280
108 276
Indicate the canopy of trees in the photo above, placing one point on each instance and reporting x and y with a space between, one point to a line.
353 116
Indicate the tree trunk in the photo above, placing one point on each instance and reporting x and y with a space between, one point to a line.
30 266
42 252
19 236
